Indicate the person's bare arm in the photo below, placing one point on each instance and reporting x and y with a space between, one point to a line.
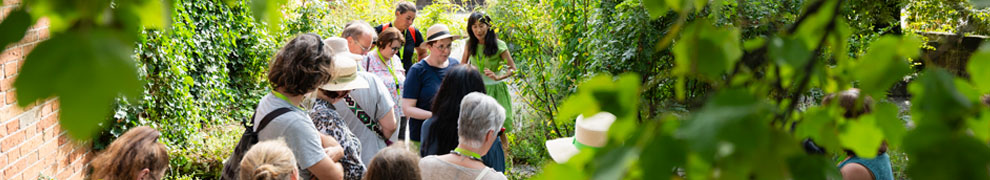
422 53
332 147
327 169
465 56
409 107
855 171
388 123
512 65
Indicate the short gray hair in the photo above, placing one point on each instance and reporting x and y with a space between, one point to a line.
479 113
358 27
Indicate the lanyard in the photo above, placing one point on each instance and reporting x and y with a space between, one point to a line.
389 67
280 96
468 153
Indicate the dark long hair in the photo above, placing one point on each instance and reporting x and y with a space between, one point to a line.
491 46
460 81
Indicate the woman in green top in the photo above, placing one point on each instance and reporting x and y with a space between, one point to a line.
492 56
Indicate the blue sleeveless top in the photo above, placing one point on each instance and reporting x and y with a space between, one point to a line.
879 166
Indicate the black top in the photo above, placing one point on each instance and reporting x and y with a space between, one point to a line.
411 43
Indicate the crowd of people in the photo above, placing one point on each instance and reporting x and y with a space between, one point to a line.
388 102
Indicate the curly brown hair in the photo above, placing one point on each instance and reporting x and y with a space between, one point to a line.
131 153
389 35
393 162
301 66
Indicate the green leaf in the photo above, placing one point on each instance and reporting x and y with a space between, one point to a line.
706 50
820 125
980 126
656 8
86 71
676 5
862 137
936 99
884 64
662 155
716 125
614 163
268 11
789 51
979 68
936 152
153 13
893 127
14 26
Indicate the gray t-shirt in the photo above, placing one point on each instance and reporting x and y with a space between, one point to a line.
434 168
374 100
296 128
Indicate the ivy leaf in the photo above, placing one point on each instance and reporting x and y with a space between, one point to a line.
716 125
14 26
89 71
862 137
881 66
656 8
979 68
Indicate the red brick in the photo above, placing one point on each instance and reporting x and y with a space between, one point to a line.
16 167
48 150
63 174
13 125
46 109
11 2
4 11
10 68
33 171
12 54
30 36
3 160
12 140
43 33
31 145
11 95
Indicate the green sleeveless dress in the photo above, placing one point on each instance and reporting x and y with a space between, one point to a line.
497 89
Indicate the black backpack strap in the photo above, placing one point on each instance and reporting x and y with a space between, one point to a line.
272 115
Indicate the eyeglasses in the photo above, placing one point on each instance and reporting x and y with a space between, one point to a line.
443 47
363 48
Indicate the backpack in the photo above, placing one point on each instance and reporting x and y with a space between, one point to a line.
411 30
250 137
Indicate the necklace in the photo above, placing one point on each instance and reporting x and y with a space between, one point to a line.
466 153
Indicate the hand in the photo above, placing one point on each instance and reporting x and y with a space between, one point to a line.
490 74
335 153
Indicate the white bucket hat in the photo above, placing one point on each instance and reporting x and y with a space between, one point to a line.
344 69
589 132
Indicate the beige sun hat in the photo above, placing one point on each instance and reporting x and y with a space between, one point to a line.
589 132
345 67
438 32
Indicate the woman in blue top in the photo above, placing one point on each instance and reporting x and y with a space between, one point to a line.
424 78
439 133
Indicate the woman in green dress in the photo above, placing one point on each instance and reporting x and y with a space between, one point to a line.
490 55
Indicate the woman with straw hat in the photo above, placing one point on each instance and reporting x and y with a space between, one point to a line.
424 78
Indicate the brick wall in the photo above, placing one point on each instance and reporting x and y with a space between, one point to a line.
32 146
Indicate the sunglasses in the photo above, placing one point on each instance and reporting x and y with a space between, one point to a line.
337 94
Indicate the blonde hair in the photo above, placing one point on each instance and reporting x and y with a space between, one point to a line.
393 162
129 154
268 160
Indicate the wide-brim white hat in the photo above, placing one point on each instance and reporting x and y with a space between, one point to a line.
589 132
344 70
